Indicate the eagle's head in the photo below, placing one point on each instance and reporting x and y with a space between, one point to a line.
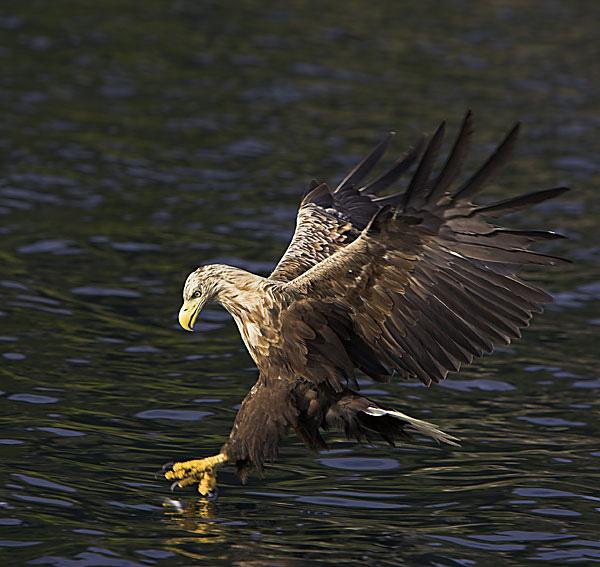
201 287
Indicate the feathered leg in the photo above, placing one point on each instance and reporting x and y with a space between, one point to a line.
253 439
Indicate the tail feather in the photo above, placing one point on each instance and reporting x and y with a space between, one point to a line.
418 425
362 419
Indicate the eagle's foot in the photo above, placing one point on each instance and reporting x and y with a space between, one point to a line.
202 471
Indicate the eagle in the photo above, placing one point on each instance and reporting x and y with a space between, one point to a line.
411 284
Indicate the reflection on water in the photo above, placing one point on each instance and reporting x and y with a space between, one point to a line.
141 143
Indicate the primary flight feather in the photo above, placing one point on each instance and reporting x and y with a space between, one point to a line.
413 284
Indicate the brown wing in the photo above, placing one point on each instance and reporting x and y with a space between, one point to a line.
428 284
328 221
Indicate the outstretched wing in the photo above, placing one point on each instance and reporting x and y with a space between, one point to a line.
328 221
427 285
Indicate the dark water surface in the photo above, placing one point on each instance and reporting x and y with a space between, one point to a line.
140 140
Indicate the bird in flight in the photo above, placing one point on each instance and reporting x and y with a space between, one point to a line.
413 284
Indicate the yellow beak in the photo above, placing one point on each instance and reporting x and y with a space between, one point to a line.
189 313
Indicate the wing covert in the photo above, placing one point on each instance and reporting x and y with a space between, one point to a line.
428 284
328 221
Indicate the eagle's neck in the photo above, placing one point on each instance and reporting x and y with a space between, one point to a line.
250 301
237 290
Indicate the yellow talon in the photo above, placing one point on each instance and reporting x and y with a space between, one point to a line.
202 471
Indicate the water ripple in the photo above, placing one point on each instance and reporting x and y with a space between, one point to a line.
34 481
552 421
105 292
61 432
350 503
178 415
479 545
362 464
33 399
41 500
485 384
56 246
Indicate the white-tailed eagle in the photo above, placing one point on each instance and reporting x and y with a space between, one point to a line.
412 284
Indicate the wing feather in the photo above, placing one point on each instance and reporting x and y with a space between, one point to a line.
419 182
490 168
422 287
366 164
455 160
328 221
390 176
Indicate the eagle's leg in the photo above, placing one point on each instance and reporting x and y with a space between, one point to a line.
202 471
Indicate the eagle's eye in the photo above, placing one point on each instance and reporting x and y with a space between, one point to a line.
197 293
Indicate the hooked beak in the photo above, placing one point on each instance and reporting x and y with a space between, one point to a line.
189 313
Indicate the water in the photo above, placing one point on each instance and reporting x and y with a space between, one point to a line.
139 142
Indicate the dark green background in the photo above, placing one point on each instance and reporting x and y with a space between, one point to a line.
142 139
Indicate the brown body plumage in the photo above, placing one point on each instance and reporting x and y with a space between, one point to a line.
413 284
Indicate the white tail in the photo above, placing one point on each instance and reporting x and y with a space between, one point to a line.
423 427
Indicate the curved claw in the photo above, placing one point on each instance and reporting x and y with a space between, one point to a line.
174 486
212 495
163 470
